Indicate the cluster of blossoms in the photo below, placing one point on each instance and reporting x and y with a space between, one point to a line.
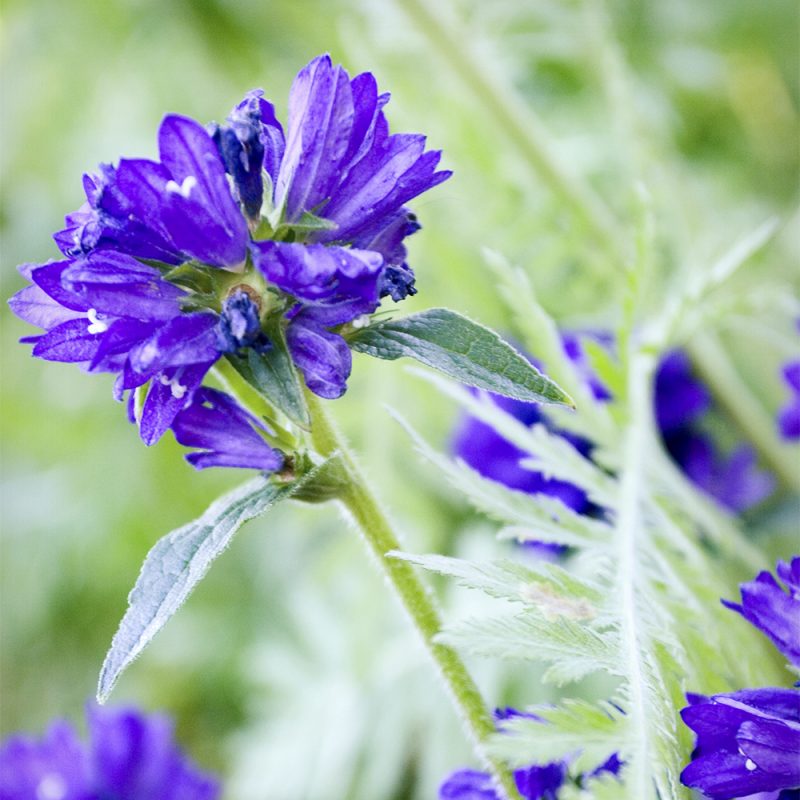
536 782
128 756
748 741
239 234
681 401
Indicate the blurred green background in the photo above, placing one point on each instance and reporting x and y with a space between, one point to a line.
289 671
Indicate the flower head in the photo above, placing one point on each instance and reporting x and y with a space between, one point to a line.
173 264
129 756
775 611
747 742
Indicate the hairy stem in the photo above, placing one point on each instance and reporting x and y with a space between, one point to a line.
630 526
358 499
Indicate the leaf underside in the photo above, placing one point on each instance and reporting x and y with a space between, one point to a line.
178 562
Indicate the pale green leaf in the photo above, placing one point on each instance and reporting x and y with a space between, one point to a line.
462 349
177 563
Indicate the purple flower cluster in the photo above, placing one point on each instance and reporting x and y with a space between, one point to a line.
749 741
536 782
128 756
775 611
681 400
172 264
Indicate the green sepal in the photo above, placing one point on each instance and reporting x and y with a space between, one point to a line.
274 376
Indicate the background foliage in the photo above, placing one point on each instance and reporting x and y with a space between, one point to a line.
289 665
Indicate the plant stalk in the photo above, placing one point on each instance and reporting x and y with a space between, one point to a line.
417 600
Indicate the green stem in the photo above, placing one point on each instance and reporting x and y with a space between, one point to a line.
379 537
518 121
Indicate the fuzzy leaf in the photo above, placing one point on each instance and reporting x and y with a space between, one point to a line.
541 518
574 648
594 732
509 580
177 563
462 349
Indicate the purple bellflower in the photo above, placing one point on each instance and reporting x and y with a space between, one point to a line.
747 742
225 434
173 264
789 416
775 612
536 782
681 400
129 756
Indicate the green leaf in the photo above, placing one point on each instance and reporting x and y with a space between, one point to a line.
510 580
593 732
462 349
273 375
178 562
307 223
573 648
537 518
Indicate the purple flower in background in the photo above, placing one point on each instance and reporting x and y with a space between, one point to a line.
747 742
129 756
146 292
496 458
773 610
681 400
227 435
789 416
536 782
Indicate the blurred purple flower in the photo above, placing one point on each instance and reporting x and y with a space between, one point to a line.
747 742
681 400
536 782
129 756
789 416
496 458
773 610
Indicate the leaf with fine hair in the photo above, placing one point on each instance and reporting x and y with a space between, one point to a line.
463 349
178 562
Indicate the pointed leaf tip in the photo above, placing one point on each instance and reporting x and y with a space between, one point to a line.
178 562
464 350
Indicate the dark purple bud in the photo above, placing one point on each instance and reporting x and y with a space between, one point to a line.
240 326
242 150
